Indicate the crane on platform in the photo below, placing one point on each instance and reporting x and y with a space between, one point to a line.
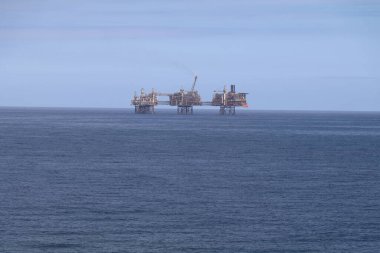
195 80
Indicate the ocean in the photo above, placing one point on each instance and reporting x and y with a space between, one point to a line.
107 180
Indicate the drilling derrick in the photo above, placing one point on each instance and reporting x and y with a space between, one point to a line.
185 100
227 101
145 103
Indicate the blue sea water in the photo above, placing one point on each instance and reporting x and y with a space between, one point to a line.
97 180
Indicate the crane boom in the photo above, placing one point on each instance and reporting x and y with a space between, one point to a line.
195 80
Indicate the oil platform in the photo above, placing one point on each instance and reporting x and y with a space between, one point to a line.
227 101
185 100
145 103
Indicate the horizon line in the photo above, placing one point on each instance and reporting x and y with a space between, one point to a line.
209 108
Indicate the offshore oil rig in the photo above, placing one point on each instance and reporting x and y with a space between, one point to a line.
186 100
228 100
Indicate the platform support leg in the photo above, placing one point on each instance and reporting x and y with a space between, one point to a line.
144 109
227 110
185 110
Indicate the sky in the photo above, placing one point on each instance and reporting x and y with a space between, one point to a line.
287 54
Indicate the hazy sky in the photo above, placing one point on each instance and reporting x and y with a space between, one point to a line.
287 54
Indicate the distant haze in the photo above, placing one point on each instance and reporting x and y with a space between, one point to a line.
289 54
